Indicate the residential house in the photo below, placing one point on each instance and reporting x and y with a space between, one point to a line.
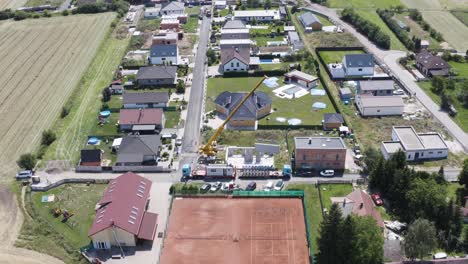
369 105
172 8
301 78
289 28
318 153
235 43
416 146
117 88
159 75
152 12
234 24
170 23
145 100
235 59
122 219
283 13
332 121
139 150
91 157
238 33
358 65
310 22
220 4
147 120
218 21
182 18
165 38
164 54
358 203
257 15
376 87
431 65
295 41
256 107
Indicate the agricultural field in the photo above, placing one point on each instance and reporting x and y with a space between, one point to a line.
44 2
452 29
13 4
41 61
462 16
300 108
435 4
363 3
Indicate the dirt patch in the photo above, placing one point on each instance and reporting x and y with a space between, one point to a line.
236 230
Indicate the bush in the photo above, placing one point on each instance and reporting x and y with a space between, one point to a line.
48 137
65 13
366 27
6 14
27 161
65 111
20 15
180 88
46 13
36 15
387 17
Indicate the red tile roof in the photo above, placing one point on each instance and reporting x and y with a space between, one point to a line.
364 206
148 226
141 116
123 204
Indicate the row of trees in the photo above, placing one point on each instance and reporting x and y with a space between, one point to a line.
418 194
353 240
366 27
416 15
28 161
444 88
403 36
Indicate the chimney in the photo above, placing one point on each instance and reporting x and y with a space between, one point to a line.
310 141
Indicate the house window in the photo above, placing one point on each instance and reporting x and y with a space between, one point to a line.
378 111
238 64
409 156
430 152
439 152
304 157
232 64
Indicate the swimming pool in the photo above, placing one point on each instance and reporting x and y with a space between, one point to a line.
292 90
265 61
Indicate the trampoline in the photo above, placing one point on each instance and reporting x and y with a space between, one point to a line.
319 105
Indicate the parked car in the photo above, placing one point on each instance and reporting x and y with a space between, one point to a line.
279 185
225 187
251 186
24 174
178 142
327 173
215 187
377 200
398 92
268 186
205 187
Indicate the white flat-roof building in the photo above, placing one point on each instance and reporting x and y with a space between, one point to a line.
416 146
369 105
152 12
258 15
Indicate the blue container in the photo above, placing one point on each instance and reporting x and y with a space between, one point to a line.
93 141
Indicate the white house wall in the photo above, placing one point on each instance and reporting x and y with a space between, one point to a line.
232 65
163 60
362 71
107 236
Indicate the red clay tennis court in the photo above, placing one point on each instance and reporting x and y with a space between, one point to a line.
236 230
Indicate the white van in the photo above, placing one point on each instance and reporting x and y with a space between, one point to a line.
269 186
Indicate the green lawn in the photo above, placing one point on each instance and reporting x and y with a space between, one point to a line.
462 117
172 118
312 206
363 3
78 199
262 40
452 190
461 15
372 16
72 131
334 190
337 56
461 68
194 10
108 128
44 2
191 25
300 108
223 12
149 24
115 101
106 148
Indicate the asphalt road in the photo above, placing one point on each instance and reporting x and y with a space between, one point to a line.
191 139
390 58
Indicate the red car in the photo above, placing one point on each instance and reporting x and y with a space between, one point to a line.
377 200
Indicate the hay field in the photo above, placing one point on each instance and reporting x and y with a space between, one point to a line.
435 4
41 62
13 4
453 30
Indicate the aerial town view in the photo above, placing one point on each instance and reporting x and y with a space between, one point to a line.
233 131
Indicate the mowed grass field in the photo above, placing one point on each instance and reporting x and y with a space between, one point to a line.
13 4
435 4
363 3
41 62
453 30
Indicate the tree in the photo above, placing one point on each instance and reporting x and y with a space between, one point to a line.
20 15
450 84
65 13
295 9
465 240
420 239
463 94
106 94
371 157
446 55
445 101
368 245
48 136
463 178
180 87
211 55
330 236
438 84
27 161
267 4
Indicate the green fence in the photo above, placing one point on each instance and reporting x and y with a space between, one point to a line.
268 194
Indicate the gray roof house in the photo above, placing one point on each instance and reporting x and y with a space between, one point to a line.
234 24
295 41
164 54
376 87
309 20
173 8
358 64
138 150
257 106
156 75
145 100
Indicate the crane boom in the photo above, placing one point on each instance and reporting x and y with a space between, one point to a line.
209 149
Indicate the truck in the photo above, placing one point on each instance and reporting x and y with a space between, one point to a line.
209 171
266 172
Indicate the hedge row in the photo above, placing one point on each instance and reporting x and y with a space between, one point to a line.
402 34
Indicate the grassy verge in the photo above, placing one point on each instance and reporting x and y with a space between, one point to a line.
461 68
462 117
300 108
262 40
337 56
172 119
84 103
334 190
47 234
